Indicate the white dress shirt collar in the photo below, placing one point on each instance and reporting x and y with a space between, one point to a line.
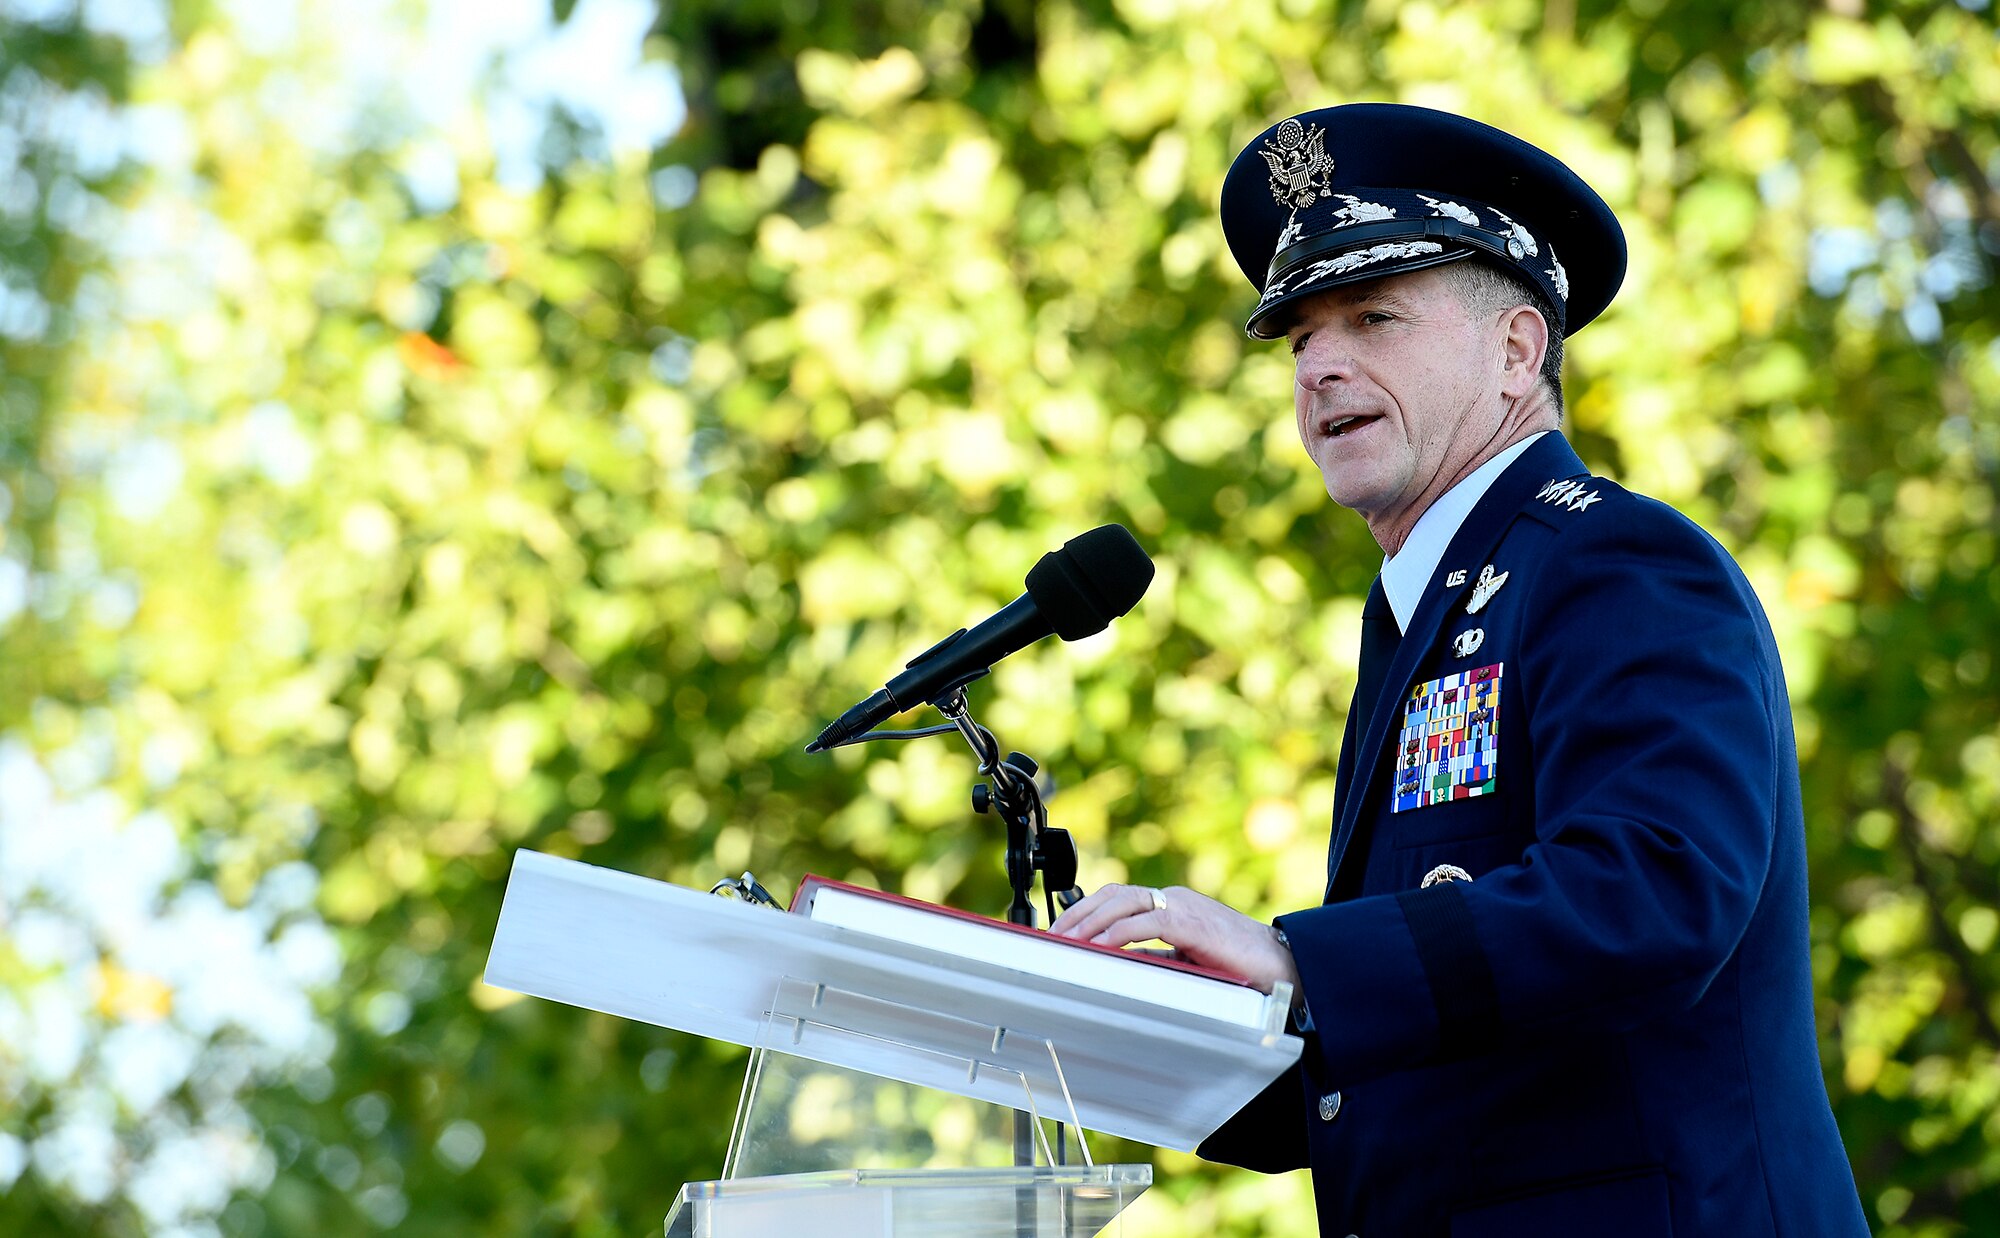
1408 573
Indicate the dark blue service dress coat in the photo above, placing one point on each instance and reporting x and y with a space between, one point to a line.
1608 1029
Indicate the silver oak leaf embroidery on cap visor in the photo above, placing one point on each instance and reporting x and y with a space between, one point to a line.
1354 260
1451 210
1557 274
1358 212
1520 235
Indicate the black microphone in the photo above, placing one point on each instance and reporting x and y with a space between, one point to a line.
1073 592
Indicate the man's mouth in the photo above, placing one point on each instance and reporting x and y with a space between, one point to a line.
1337 427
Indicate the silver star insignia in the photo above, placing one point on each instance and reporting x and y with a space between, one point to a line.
1570 494
1484 588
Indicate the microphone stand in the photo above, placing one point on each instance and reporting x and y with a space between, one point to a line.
1031 844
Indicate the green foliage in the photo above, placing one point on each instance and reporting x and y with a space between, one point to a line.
561 516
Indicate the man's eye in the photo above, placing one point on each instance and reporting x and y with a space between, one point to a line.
1375 318
1299 342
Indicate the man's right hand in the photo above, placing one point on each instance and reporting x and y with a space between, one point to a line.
1200 929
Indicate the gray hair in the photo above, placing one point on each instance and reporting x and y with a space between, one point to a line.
1485 289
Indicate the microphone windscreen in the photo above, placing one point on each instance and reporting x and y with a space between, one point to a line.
1092 579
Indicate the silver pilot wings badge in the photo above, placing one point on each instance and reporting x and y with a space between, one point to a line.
1484 588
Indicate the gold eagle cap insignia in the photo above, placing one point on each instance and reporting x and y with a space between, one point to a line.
1301 170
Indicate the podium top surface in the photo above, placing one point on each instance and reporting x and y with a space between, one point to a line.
679 958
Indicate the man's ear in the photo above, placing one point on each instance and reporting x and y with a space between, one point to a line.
1523 345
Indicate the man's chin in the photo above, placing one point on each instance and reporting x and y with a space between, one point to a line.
1357 493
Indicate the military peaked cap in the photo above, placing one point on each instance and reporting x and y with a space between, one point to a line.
1356 192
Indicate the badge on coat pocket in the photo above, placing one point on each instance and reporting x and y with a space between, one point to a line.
1449 746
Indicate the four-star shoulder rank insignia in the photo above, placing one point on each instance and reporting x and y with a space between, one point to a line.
1570 494
1484 588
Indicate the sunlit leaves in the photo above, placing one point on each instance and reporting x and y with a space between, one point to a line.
393 529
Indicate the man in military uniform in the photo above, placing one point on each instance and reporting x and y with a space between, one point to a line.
1559 983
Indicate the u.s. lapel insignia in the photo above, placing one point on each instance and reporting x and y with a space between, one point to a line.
1467 643
1454 580
1484 588
1444 872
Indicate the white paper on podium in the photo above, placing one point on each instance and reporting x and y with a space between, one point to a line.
687 960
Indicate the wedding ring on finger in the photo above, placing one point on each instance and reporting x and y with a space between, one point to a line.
1159 900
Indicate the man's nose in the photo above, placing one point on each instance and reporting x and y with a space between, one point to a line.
1322 363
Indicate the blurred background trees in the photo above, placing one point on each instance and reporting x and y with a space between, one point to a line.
427 431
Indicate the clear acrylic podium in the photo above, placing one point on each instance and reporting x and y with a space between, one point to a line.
827 1150
884 1074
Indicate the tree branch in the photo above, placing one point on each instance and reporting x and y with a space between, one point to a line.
1896 793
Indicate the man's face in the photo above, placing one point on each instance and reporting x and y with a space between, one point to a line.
1397 389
